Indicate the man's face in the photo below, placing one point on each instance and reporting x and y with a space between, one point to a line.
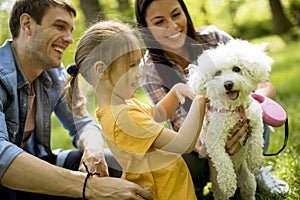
50 39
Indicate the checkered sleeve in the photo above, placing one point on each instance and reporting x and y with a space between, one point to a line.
153 87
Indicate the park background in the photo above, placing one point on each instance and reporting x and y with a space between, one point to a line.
272 21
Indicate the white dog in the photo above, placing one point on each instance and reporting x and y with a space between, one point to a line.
227 75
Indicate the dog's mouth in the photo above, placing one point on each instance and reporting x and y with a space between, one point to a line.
232 95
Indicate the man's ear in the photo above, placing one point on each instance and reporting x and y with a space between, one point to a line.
101 70
26 23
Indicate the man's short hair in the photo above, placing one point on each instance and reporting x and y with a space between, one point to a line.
36 9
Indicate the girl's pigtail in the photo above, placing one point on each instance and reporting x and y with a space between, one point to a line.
76 101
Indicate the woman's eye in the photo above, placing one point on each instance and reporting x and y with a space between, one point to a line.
158 22
176 14
236 69
218 73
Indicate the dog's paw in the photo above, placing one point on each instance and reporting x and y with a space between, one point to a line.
255 168
254 165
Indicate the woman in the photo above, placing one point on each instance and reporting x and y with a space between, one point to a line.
173 43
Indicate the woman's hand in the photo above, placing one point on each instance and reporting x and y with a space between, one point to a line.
233 144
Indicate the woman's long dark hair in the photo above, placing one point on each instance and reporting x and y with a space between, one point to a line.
155 49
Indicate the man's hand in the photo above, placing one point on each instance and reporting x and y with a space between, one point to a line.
91 144
95 162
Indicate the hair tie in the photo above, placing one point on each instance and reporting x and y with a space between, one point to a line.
72 70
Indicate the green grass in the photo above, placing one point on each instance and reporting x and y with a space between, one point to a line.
283 76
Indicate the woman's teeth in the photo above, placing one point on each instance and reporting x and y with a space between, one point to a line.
175 35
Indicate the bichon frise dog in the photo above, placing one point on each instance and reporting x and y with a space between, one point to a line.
227 75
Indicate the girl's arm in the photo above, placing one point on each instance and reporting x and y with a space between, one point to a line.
168 105
185 139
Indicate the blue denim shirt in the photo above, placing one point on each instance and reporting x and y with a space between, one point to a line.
50 97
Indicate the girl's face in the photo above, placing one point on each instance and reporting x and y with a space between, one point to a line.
126 78
167 23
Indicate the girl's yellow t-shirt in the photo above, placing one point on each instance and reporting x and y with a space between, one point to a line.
130 131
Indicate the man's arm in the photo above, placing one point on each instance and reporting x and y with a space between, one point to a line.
85 133
28 173
31 174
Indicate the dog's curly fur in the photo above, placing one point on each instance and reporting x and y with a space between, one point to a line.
227 75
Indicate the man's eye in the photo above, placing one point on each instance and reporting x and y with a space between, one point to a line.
218 73
236 69
59 26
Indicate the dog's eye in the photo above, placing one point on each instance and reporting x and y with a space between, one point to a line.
236 69
218 73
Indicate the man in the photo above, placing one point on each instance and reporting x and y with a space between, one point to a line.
31 88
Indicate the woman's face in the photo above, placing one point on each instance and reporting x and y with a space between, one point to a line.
168 23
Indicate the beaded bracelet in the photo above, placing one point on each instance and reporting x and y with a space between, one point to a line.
89 174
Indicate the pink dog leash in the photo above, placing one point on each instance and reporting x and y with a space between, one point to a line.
273 115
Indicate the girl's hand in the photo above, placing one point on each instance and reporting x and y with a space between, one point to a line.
181 91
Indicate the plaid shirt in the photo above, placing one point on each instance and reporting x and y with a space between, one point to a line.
155 88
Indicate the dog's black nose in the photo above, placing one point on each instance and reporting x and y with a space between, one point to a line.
228 85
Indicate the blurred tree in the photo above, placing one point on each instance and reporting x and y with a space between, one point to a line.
281 23
125 8
123 5
92 11
295 10
4 15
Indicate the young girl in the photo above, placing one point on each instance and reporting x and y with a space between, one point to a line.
107 56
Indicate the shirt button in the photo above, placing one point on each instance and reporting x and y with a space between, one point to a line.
24 105
46 125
